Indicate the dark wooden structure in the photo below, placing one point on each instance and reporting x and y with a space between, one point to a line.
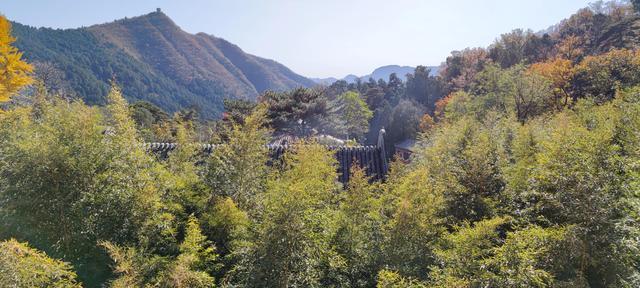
371 158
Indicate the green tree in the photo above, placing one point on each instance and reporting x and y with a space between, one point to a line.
404 122
414 224
478 256
190 268
353 113
394 89
390 279
581 176
510 49
374 97
149 119
237 109
23 266
464 254
58 160
237 168
511 91
461 67
601 76
424 88
536 257
358 236
465 159
292 241
296 111
230 229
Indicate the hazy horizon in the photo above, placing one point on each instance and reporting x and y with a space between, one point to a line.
322 39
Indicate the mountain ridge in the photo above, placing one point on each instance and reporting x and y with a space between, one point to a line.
154 60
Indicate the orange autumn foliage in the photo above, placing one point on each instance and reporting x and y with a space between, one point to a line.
559 72
441 105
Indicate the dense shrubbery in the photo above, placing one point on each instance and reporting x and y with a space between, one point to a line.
489 200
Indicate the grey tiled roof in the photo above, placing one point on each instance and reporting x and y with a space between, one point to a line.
371 158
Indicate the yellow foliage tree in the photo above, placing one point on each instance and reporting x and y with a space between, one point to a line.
14 72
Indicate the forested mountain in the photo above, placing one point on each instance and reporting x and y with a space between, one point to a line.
622 34
156 61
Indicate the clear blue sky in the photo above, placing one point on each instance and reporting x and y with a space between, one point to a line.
321 38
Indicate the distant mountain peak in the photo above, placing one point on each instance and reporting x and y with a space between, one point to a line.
382 72
156 17
393 67
350 78
159 15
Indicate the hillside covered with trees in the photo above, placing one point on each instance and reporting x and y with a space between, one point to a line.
153 60
527 174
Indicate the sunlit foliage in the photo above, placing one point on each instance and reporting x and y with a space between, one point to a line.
23 266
